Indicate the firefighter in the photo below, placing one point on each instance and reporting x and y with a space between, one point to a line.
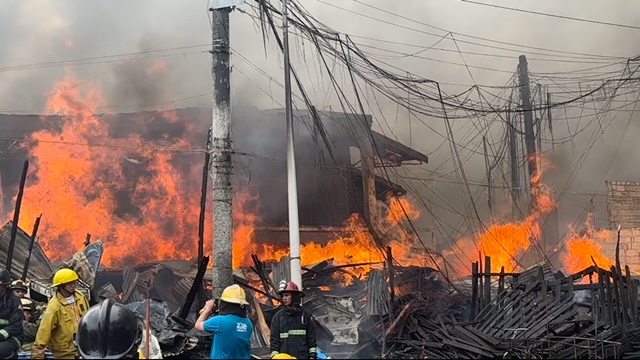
20 288
292 329
230 328
11 332
29 324
60 320
109 331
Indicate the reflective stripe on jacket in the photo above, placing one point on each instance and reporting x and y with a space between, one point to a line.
293 333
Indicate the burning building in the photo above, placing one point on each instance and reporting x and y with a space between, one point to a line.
135 177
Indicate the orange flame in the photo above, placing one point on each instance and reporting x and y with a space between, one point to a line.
505 243
354 245
583 249
80 182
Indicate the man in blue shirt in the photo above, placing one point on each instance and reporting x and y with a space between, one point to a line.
231 329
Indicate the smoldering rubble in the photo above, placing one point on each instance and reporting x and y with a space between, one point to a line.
390 311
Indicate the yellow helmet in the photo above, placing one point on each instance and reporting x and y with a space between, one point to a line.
64 276
282 356
234 294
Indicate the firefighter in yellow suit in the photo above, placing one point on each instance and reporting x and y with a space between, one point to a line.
60 320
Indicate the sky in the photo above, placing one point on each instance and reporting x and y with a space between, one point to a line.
112 43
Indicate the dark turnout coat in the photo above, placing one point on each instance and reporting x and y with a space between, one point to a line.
293 333
11 317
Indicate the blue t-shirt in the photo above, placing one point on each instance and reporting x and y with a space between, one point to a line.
231 336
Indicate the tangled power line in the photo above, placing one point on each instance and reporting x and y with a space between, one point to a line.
480 107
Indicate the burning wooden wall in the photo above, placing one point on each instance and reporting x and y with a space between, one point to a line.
116 175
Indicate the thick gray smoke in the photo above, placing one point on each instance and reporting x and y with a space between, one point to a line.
44 33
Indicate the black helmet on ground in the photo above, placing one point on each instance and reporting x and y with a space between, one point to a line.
5 277
108 331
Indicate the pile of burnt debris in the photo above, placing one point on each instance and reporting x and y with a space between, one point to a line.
374 310
536 314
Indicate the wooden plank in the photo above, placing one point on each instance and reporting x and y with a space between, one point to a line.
468 348
514 306
474 289
622 297
471 336
501 282
610 306
487 280
605 315
481 304
633 320
488 339
634 302
265 331
617 301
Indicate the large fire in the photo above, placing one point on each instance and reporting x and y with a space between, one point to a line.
136 196
81 179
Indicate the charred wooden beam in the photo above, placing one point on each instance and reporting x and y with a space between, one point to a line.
34 234
391 279
195 287
474 289
203 197
16 216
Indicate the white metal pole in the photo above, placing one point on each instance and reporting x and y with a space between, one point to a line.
294 226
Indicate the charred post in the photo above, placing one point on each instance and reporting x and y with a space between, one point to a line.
515 164
87 240
195 287
34 235
550 122
16 216
530 142
487 164
392 290
221 152
474 289
203 197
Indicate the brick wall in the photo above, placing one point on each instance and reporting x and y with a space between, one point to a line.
629 247
623 204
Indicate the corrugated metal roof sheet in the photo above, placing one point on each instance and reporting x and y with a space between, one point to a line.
39 265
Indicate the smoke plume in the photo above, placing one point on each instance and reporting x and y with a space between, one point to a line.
153 55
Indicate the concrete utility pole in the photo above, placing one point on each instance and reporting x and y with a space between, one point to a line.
292 185
221 150
530 142
549 118
515 165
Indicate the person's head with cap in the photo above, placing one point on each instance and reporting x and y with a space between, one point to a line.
233 301
290 293
65 281
19 288
28 307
